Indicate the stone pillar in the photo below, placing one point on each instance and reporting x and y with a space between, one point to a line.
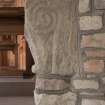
56 40
51 29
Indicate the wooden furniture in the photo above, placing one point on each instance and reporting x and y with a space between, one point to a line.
13 47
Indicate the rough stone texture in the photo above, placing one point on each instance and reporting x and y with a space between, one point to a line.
95 53
51 84
103 80
93 102
99 4
84 6
90 22
51 35
85 84
92 94
65 99
96 40
94 66
51 29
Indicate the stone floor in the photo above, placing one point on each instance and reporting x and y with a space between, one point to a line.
16 101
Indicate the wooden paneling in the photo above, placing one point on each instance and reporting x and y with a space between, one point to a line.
12 20
12 3
11 12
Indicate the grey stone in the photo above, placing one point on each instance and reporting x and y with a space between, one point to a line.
93 94
90 22
51 31
51 84
99 4
85 84
91 76
93 102
103 80
84 6
64 99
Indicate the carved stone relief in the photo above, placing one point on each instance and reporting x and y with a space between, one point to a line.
51 29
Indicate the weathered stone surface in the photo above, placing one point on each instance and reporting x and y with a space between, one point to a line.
93 102
51 84
94 66
92 94
91 75
52 35
96 40
65 99
90 22
84 6
95 53
103 80
85 84
99 4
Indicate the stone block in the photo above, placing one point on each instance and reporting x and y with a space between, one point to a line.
99 4
64 99
91 75
93 102
85 84
84 6
95 53
94 66
90 22
103 80
96 40
92 94
51 84
49 28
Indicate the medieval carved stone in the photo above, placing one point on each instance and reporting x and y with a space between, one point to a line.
51 30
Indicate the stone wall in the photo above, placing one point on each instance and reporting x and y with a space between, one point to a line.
65 86
91 88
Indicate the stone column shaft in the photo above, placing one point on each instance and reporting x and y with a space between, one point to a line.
51 29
